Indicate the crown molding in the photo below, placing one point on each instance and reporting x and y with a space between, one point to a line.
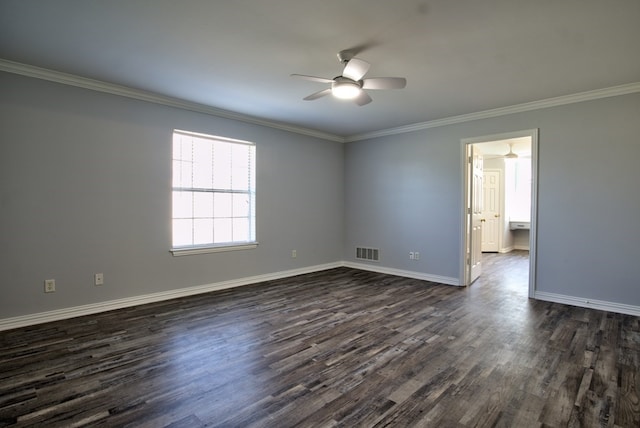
152 97
502 111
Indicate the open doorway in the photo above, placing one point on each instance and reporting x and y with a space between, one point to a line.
499 200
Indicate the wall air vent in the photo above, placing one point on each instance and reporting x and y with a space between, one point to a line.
371 254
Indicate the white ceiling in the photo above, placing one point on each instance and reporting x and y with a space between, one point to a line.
459 56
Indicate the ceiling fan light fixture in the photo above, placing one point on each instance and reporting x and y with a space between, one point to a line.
511 154
345 89
352 85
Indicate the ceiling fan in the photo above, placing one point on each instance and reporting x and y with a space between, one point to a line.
350 85
511 154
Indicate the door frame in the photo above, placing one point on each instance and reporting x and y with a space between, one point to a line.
464 237
473 221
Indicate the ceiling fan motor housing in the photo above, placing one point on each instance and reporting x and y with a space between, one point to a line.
344 56
343 87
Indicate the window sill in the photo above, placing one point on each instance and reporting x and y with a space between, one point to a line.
187 251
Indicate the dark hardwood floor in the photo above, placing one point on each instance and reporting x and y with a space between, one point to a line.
343 347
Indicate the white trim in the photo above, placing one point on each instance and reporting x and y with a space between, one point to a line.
465 142
522 247
613 91
500 136
602 305
215 138
466 212
404 273
94 308
178 252
138 94
533 225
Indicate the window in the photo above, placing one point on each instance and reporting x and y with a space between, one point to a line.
518 172
214 195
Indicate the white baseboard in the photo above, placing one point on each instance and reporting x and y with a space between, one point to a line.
602 305
405 273
94 308
512 248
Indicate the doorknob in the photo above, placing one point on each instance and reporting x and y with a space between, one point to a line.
496 215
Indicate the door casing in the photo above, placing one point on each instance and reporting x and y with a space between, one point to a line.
464 276
474 221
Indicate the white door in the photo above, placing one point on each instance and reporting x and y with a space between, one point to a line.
491 211
475 201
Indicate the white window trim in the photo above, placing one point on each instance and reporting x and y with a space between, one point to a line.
187 251
213 248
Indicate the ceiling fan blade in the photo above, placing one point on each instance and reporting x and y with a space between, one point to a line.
346 54
317 95
363 99
384 83
355 69
312 78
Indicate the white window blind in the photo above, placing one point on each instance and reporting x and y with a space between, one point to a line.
213 192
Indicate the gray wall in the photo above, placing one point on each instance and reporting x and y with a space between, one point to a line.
85 187
403 193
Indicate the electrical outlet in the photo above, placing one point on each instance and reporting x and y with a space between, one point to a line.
294 254
412 255
49 285
98 279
